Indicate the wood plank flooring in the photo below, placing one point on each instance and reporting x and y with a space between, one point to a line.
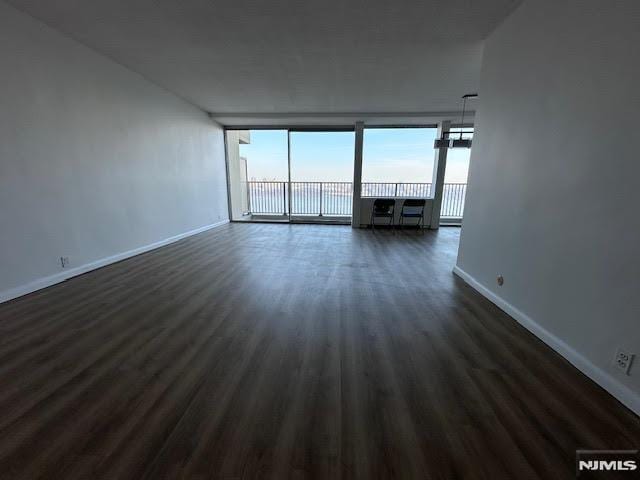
288 351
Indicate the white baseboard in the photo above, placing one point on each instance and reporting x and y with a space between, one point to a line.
87 267
611 384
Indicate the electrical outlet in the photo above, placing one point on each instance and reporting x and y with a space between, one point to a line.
64 262
624 360
500 280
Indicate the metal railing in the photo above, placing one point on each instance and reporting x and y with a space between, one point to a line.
268 197
378 189
335 198
453 195
321 198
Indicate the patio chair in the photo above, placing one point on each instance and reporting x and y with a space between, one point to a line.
413 208
382 207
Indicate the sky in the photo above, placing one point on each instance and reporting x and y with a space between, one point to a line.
390 155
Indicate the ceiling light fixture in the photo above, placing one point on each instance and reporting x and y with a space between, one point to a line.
460 142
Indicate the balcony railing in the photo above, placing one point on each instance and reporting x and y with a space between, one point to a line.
335 198
453 195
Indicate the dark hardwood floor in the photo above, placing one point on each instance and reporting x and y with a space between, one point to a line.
288 351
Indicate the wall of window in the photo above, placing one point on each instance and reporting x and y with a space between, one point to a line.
398 161
458 159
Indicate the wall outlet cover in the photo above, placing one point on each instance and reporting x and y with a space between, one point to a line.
624 360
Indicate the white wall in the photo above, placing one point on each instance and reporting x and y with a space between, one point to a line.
553 202
94 160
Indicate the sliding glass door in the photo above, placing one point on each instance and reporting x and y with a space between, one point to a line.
321 175
258 175
284 175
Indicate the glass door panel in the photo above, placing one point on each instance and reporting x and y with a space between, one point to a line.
321 169
257 164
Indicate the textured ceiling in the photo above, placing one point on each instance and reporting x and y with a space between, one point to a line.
282 56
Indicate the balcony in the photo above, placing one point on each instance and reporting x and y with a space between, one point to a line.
334 199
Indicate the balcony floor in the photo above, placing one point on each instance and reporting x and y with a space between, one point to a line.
289 351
